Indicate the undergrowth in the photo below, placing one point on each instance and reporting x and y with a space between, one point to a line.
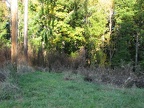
9 88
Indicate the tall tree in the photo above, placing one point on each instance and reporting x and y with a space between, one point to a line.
139 40
14 30
26 31
123 36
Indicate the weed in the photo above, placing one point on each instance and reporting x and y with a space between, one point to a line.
9 88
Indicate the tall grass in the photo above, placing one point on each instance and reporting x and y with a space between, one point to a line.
9 88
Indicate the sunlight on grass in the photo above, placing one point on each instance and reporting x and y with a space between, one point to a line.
50 90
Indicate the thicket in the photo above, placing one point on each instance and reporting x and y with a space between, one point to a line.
4 33
79 33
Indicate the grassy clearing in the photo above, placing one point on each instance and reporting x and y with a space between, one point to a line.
50 90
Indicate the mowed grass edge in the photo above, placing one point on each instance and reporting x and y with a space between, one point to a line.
51 90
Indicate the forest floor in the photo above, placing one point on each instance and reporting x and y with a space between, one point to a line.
53 90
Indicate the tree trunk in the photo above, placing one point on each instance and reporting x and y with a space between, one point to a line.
136 49
110 32
26 31
14 31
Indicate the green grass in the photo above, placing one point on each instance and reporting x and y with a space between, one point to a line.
50 90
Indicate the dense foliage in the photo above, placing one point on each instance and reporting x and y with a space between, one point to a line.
108 30
4 26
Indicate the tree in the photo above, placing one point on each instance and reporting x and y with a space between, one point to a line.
14 31
26 31
111 31
124 31
139 40
96 20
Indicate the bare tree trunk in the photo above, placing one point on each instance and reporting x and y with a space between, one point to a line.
136 53
110 18
110 31
26 31
14 31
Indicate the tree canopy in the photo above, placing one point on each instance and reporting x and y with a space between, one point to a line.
110 31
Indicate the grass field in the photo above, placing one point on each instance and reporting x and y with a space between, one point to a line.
50 90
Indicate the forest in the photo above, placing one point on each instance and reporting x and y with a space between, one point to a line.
102 40
104 33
